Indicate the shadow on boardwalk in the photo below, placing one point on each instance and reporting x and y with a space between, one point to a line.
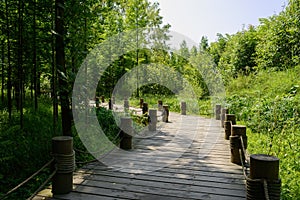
187 158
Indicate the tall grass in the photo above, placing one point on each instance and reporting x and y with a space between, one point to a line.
269 104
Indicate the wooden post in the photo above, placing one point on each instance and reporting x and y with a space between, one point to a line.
152 120
126 104
227 129
145 108
102 99
183 108
224 111
160 105
230 118
126 133
240 130
110 104
165 117
62 150
235 149
263 181
141 102
229 121
97 101
218 111
264 166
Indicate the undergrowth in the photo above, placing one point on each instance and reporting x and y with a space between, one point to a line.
22 152
268 103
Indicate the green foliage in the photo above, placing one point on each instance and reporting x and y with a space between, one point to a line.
217 48
108 124
268 104
25 151
239 53
278 45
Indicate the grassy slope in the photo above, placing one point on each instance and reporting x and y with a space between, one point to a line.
269 104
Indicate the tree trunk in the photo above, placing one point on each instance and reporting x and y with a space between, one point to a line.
20 61
2 71
54 81
61 68
9 85
34 58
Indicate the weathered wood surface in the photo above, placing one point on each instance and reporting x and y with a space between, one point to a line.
187 158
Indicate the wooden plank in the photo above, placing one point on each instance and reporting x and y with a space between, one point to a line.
162 175
119 189
164 161
188 165
160 181
190 171
83 195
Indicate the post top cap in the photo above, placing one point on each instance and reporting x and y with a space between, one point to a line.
238 126
62 138
264 157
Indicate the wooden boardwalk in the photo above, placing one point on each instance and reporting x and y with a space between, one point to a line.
187 158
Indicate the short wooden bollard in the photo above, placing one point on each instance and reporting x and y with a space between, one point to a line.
183 108
110 104
230 118
63 153
102 99
224 111
97 101
126 133
218 111
165 117
264 172
227 129
152 120
126 104
141 103
264 166
160 105
240 130
235 146
145 108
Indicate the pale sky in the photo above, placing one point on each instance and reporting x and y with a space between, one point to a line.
196 18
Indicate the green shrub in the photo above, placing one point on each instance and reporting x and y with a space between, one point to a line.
269 105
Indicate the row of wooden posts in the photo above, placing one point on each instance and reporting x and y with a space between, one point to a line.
263 182
126 122
143 105
62 146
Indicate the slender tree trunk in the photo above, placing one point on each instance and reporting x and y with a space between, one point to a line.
2 71
38 83
34 58
9 85
20 60
60 64
137 54
54 81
